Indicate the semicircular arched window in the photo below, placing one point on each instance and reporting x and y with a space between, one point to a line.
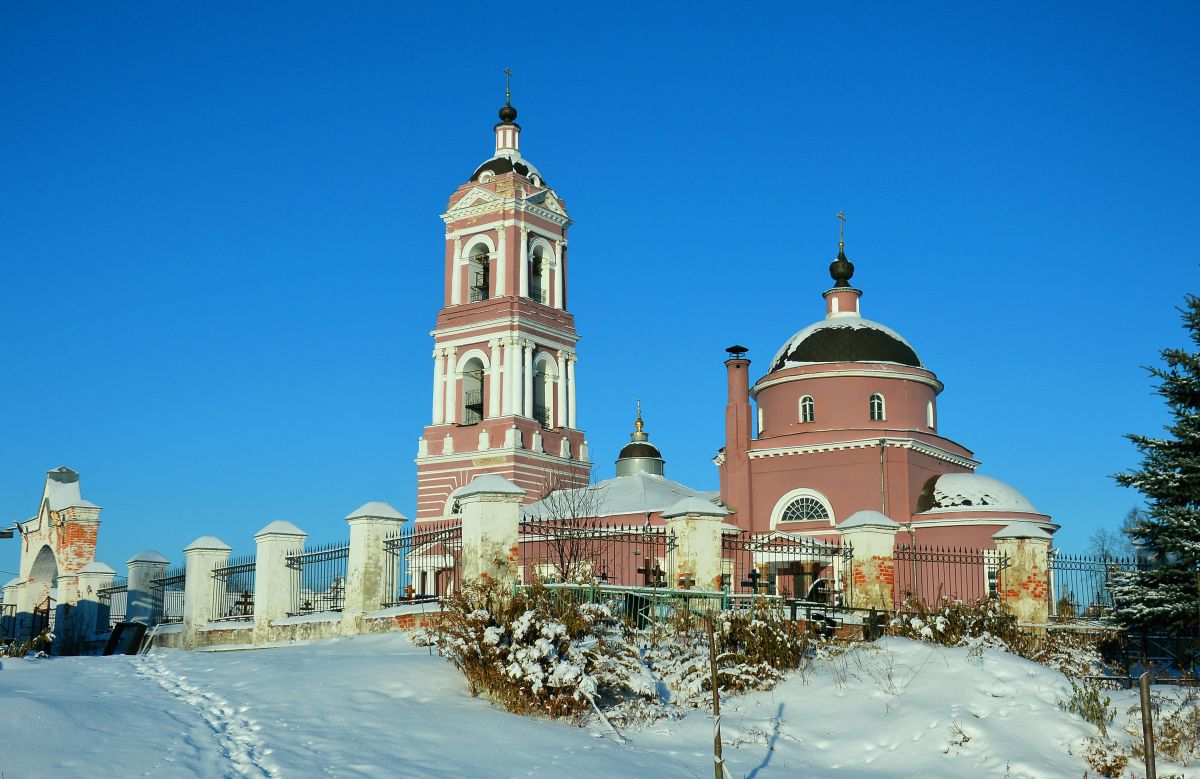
804 509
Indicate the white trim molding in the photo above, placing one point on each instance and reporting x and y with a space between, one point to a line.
921 447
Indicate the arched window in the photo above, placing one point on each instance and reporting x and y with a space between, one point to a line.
804 509
807 409
543 391
537 276
929 418
472 391
479 274
761 419
877 409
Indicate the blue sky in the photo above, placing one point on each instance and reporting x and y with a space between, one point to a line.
221 256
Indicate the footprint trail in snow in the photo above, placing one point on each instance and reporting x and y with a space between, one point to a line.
236 734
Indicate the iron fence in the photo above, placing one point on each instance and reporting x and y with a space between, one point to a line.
320 578
594 550
790 566
233 590
927 574
1079 585
166 593
113 600
423 562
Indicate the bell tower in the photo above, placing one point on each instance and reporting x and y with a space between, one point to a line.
504 344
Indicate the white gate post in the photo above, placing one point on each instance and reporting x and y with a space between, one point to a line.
199 587
697 525
275 584
144 567
491 514
367 581
93 577
872 537
1025 581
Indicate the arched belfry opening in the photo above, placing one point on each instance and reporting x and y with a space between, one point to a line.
479 274
473 391
538 276
543 391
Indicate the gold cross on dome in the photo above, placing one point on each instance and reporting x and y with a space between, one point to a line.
841 229
507 85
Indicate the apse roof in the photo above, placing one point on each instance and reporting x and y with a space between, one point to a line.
845 338
951 492
508 163
636 493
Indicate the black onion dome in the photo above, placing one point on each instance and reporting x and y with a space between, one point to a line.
508 113
501 165
841 269
639 449
846 339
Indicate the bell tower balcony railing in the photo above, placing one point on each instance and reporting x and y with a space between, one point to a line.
472 407
542 415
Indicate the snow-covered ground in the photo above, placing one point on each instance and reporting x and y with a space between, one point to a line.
377 706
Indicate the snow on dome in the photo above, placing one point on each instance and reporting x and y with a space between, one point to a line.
970 492
845 338
508 162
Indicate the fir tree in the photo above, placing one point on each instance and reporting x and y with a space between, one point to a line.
1165 594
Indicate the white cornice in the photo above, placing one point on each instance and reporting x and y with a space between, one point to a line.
499 203
763 383
517 324
467 457
867 443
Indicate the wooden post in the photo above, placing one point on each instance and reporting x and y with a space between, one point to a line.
718 761
1147 726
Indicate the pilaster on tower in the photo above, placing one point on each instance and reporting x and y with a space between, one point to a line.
504 345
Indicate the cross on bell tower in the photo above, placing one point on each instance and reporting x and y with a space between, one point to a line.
504 398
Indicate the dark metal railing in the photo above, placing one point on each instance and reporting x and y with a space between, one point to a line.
166 594
472 407
594 550
320 578
542 415
233 590
538 294
927 574
113 601
423 562
795 568
1079 585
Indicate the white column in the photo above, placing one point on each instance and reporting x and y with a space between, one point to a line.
494 373
558 275
451 383
501 262
571 392
144 568
439 393
276 586
370 582
527 395
491 513
199 587
456 273
512 374
561 417
524 267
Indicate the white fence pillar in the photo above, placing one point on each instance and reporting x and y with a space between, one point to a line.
367 582
91 613
696 561
491 512
275 584
144 567
1025 581
872 572
199 587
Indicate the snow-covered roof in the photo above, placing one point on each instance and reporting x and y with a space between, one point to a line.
956 492
209 543
147 556
376 508
1021 530
280 527
636 493
696 507
62 490
868 519
96 566
489 484
864 341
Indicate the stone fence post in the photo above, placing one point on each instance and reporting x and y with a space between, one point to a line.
8 623
92 615
367 581
141 605
1025 581
697 525
491 514
199 587
872 536
275 584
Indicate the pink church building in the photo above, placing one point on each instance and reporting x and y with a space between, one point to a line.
845 419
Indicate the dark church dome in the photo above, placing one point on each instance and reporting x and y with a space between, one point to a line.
639 449
845 338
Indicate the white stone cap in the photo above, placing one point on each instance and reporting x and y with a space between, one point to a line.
1022 530
376 509
488 484
96 567
280 527
868 519
692 506
147 556
13 582
210 543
